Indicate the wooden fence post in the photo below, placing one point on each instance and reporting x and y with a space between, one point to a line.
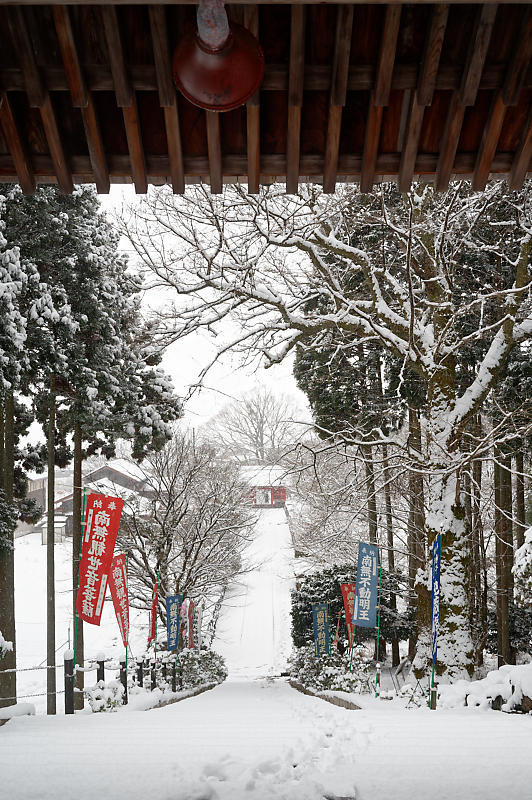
69 681
140 674
100 671
153 676
123 679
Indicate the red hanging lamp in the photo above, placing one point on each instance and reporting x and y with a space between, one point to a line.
221 65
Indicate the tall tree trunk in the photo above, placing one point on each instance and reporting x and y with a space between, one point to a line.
479 555
390 543
519 508
50 565
507 549
8 680
76 550
419 598
371 499
503 554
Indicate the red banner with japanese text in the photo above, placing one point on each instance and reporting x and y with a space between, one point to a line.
191 624
119 595
153 614
99 538
348 593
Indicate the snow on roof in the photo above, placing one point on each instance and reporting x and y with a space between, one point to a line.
264 476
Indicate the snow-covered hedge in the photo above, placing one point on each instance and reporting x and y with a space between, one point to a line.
329 672
105 696
199 667
507 689
522 570
4 646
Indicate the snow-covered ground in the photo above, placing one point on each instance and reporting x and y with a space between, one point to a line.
254 737
253 631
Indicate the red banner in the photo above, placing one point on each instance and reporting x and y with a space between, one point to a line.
191 624
153 614
101 529
118 587
348 593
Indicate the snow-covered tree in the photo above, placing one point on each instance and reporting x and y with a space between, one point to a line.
189 527
284 268
257 427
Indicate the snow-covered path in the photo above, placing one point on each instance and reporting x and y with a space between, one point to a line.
262 740
253 631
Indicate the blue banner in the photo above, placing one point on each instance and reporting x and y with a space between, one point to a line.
367 589
320 621
436 559
173 610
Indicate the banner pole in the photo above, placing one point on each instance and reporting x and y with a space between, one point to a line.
77 588
156 601
377 675
127 590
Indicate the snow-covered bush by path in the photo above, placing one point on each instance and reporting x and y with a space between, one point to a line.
199 667
330 671
508 688
4 646
522 570
105 696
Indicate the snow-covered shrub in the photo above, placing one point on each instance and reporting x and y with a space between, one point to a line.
105 696
4 646
522 570
508 688
330 672
199 667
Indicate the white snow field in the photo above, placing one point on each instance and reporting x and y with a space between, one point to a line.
253 737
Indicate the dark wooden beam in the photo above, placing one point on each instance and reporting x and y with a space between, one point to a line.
383 83
55 145
476 56
70 57
428 70
296 77
371 146
21 161
136 150
175 151
488 144
518 67
122 83
449 142
215 151
251 21
23 47
161 54
96 147
340 74
410 147
234 2
522 158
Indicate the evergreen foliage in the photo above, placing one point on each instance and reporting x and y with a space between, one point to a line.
330 672
324 587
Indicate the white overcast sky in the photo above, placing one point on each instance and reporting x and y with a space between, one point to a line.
185 360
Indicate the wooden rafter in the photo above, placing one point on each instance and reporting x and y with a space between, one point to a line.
340 73
371 146
251 21
22 163
136 150
476 56
296 77
522 158
516 74
69 54
409 150
430 62
215 151
383 83
488 145
121 81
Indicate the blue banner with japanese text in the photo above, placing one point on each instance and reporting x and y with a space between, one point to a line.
173 610
436 559
320 621
367 589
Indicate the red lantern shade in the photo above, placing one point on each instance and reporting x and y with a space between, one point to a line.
222 78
